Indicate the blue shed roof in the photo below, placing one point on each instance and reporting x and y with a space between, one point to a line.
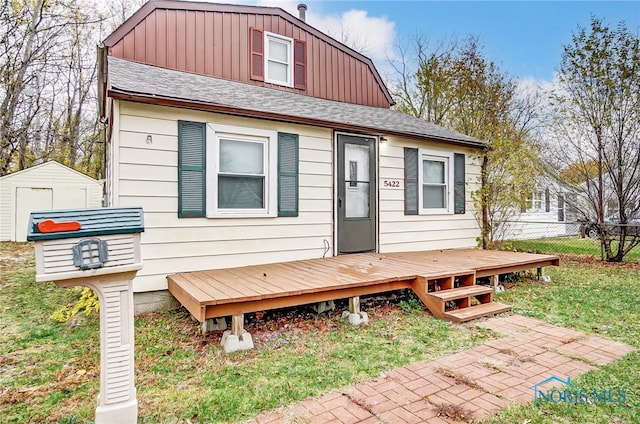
93 222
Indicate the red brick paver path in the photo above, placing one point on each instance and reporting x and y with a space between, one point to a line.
478 381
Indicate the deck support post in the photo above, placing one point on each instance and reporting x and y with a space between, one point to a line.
495 284
237 338
354 315
213 324
320 307
541 276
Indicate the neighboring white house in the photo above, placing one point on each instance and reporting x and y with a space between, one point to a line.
550 211
50 185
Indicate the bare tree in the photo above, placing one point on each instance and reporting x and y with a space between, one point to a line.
47 82
453 85
597 123
22 57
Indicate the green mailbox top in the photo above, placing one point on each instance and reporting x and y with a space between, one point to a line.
70 223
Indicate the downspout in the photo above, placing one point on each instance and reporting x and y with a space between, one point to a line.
486 230
103 118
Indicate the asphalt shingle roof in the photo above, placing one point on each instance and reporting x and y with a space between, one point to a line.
139 79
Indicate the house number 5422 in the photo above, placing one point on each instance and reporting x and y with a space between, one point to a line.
391 183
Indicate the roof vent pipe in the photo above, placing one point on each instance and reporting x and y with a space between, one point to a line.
302 11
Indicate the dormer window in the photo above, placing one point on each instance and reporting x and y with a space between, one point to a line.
278 59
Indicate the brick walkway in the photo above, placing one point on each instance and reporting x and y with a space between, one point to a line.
468 385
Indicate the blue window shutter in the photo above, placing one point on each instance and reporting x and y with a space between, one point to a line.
410 181
191 169
287 174
458 187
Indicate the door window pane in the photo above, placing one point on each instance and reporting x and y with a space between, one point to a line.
357 193
241 157
357 201
358 154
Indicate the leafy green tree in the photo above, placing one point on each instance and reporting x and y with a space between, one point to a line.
454 85
596 129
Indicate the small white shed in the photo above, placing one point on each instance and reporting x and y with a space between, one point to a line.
50 185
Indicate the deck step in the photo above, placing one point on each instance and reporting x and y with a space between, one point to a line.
477 311
460 292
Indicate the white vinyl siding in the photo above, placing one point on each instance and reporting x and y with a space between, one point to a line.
42 187
400 232
147 176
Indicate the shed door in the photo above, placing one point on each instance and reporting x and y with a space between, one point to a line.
30 199
356 194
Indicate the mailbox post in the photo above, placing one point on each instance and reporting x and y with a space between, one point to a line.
100 249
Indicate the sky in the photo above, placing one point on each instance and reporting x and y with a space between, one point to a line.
525 38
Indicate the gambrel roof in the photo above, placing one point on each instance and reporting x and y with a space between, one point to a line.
216 40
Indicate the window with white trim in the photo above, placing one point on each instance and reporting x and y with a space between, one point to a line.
241 176
278 59
435 176
535 201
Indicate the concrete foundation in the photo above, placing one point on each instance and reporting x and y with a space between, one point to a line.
232 343
355 319
153 301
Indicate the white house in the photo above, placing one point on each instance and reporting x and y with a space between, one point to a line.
550 211
50 185
250 137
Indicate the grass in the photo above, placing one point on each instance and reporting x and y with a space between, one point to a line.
596 299
49 372
569 246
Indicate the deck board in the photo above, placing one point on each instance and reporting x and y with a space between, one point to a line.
219 292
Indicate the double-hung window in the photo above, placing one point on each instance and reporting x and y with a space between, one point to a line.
534 201
435 177
279 59
240 172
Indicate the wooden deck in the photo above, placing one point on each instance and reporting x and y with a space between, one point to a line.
235 291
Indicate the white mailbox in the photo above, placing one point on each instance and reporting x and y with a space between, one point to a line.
100 249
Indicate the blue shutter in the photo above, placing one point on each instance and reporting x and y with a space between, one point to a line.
410 181
287 174
458 187
191 169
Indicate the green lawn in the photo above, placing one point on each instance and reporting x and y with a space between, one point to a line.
568 246
49 372
595 299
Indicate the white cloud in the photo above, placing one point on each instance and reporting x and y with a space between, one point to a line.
372 36
530 85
